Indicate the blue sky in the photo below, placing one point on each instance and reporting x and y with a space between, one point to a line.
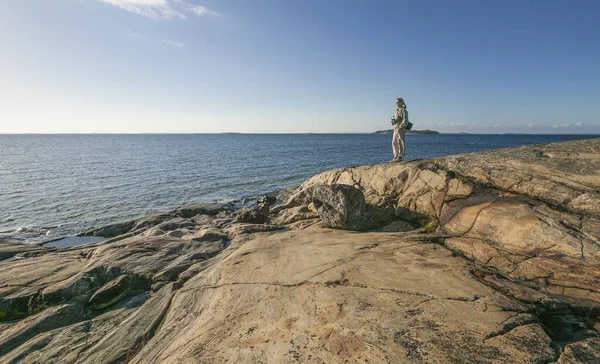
298 65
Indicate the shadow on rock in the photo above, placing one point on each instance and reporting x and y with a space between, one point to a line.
344 207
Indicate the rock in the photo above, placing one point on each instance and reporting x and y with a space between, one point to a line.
112 337
23 279
240 229
9 250
303 224
211 209
154 232
111 293
257 215
153 220
76 275
344 207
341 207
267 199
204 220
122 342
396 226
509 275
458 189
527 344
46 320
207 234
294 214
178 223
504 200
177 233
586 351
339 296
112 230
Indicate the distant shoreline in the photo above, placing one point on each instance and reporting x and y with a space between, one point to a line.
391 131
379 132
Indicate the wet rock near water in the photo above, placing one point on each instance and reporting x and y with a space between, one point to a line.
260 214
9 250
202 209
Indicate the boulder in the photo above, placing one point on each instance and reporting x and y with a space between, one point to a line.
344 207
267 199
257 215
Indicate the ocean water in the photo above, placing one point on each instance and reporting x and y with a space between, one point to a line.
60 185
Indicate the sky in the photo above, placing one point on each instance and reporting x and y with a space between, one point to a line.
298 66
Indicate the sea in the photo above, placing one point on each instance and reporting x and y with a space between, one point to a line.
54 186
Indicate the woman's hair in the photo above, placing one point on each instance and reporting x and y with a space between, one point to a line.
401 100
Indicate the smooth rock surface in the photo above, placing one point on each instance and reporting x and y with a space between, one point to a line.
530 212
335 296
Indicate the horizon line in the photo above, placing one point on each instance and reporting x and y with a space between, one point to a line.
296 133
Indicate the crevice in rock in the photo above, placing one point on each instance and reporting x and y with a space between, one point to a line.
564 323
511 324
329 284
477 217
425 301
460 299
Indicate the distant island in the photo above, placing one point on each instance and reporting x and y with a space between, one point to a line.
391 131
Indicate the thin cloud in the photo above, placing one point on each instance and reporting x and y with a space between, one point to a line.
573 127
140 37
161 9
202 10
456 123
517 126
569 125
173 43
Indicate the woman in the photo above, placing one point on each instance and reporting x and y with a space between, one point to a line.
399 120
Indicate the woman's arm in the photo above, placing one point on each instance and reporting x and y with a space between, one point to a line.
403 118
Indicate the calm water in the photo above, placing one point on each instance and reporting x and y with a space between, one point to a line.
58 185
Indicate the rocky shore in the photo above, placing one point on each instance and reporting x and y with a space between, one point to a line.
490 257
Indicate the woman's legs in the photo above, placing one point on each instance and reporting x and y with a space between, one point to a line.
396 143
401 136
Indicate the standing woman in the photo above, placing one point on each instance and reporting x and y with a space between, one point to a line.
400 121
